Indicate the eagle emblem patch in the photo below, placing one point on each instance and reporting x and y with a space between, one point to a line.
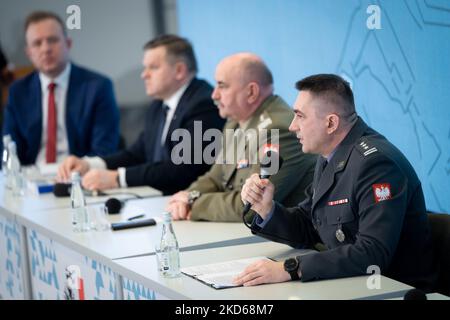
382 192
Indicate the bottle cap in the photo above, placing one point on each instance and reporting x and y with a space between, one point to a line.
75 176
167 216
6 139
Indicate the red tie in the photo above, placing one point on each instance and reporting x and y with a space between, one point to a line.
50 154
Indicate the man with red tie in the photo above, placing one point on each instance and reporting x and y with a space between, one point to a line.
61 108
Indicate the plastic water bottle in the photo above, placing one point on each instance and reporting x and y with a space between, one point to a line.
168 253
5 155
15 181
80 217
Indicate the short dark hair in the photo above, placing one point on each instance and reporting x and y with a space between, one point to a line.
177 47
38 16
331 87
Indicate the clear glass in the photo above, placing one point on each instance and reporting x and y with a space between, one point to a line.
99 218
15 179
80 214
5 155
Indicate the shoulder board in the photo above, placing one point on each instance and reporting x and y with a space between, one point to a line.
365 147
264 121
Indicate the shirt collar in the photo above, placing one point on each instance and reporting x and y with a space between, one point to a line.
62 80
328 158
173 101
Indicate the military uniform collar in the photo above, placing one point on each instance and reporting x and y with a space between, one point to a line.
253 121
337 162
255 118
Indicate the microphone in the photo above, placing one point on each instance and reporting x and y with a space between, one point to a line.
62 189
415 294
114 205
270 165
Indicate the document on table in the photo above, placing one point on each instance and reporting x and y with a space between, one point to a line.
220 275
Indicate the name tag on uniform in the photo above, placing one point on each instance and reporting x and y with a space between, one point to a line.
242 164
336 202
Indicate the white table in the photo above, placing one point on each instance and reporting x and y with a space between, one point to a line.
44 238
57 225
141 273
14 267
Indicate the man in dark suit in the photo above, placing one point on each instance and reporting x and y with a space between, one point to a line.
182 102
61 108
365 204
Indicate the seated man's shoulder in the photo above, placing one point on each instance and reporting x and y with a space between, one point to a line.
279 113
202 87
376 149
89 75
24 83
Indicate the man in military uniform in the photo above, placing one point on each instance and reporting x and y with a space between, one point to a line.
244 95
365 204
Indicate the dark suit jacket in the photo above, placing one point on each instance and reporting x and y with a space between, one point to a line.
367 208
92 116
194 105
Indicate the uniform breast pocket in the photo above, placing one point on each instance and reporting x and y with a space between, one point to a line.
342 223
242 175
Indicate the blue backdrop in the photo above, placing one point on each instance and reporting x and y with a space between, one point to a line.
400 73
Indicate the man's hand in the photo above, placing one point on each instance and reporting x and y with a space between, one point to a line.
263 271
98 179
181 196
179 210
258 192
70 164
179 206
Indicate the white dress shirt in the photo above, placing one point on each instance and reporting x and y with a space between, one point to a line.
62 84
172 103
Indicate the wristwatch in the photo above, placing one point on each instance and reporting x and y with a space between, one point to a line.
193 195
291 266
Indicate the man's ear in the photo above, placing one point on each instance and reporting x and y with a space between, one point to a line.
253 92
180 70
332 123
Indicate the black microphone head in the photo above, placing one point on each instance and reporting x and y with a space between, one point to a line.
113 205
271 163
62 189
415 294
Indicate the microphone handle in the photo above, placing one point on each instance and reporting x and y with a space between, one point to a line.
248 205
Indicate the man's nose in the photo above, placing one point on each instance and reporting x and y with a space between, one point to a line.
215 94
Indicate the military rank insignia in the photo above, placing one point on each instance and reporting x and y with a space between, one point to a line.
242 164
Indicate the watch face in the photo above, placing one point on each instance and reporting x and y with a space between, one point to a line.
291 264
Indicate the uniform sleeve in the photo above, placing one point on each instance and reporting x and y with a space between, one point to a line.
291 226
217 204
380 213
209 182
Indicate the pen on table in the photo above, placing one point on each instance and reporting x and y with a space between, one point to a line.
136 217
